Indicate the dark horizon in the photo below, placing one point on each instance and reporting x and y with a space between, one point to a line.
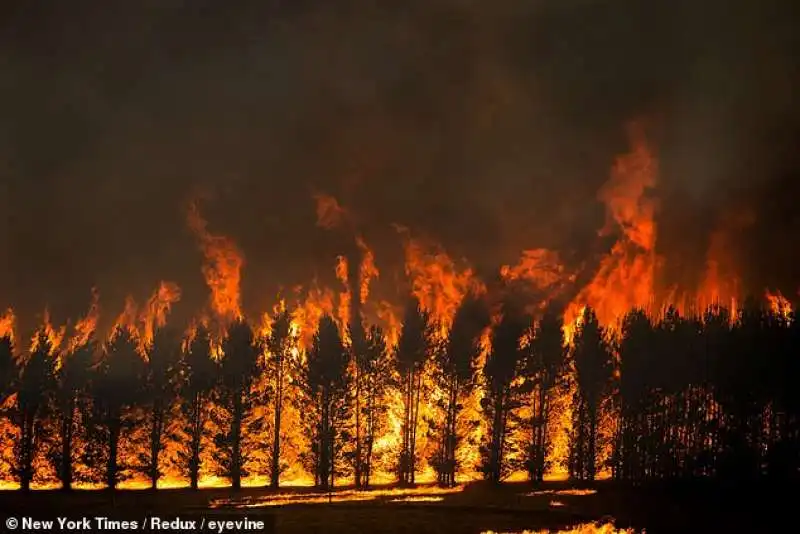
489 129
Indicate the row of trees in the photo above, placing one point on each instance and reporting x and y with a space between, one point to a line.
673 397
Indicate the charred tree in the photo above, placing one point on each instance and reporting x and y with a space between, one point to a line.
455 370
280 346
546 359
73 384
592 357
375 371
325 384
503 366
358 349
163 358
117 382
412 353
240 366
36 387
200 377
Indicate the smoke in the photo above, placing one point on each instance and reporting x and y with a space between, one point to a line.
489 126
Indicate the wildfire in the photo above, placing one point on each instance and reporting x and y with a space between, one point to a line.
624 279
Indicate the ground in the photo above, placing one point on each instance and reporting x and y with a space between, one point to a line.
473 508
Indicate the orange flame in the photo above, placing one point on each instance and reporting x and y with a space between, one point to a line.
368 270
626 277
7 323
222 267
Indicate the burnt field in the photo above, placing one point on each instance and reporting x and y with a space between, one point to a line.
474 508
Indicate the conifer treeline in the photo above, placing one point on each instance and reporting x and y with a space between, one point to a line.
674 397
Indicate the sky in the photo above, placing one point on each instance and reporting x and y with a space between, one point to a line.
487 126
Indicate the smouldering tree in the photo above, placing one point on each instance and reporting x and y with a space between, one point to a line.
375 372
163 358
36 387
455 371
325 384
412 353
503 365
280 348
117 383
200 373
71 395
592 357
547 356
240 366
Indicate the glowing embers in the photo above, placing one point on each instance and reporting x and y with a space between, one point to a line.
393 495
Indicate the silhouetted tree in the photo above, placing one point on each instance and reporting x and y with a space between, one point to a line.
73 388
636 357
163 358
281 344
375 371
547 356
503 366
239 369
36 387
412 352
325 384
358 349
118 385
200 376
455 371
592 357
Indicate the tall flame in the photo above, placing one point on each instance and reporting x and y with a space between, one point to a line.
626 277
221 269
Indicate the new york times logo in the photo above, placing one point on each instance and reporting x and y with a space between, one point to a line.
218 523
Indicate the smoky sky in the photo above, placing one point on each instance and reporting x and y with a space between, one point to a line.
487 126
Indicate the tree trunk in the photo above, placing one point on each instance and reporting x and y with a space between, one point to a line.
404 450
112 468
236 441
369 440
324 444
26 450
156 432
494 453
66 445
197 433
276 439
413 448
358 459
590 459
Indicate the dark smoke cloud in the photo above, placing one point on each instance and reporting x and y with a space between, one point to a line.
488 125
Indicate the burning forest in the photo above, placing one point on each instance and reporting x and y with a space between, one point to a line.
506 266
537 373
